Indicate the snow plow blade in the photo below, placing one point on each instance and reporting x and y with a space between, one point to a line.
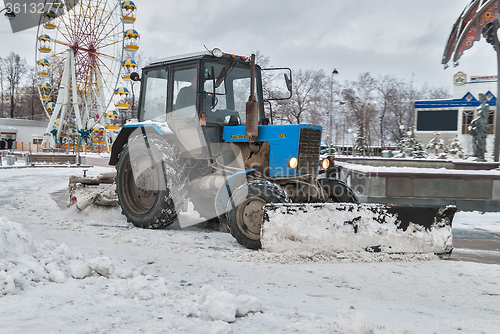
349 227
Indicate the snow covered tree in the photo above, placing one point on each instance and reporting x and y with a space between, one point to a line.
360 145
410 147
455 148
406 145
419 151
436 143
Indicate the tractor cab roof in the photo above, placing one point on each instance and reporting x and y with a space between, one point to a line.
199 55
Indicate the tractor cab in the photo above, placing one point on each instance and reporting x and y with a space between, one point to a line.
197 94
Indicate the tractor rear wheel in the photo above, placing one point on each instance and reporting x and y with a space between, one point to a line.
338 191
246 215
149 182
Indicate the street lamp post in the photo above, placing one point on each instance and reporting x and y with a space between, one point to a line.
354 136
330 111
347 148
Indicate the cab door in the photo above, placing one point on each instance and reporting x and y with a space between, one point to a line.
183 117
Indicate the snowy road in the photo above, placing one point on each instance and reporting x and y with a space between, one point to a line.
188 281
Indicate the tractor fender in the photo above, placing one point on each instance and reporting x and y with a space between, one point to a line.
225 192
128 130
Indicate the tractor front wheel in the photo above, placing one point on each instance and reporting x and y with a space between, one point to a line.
246 213
338 191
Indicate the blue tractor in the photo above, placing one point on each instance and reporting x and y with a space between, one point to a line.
202 136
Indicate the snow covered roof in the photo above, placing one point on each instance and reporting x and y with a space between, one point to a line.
468 100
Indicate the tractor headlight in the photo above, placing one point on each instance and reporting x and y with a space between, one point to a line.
325 163
293 162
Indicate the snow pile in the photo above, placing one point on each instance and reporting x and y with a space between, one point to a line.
24 264
343 227
225 306
220 327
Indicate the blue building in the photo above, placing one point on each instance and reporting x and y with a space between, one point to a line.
452 117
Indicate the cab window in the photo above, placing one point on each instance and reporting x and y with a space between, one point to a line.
154 101
184 93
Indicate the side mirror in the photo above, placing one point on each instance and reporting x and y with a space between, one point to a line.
134 76
273 78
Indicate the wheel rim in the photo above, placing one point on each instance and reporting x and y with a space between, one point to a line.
249 217
141 182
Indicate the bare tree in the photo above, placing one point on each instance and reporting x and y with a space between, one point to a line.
306 97
438 93
401 117
30 104
15 68
360 97
387 89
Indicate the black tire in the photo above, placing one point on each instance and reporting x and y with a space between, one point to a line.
245 220
205 206
338 191
152 202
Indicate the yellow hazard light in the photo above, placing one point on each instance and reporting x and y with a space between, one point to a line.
293 162
325 163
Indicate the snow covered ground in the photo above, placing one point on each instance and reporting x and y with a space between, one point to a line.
91 272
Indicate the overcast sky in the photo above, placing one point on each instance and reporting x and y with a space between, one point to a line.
383 37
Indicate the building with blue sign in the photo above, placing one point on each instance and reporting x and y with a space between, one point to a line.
452 117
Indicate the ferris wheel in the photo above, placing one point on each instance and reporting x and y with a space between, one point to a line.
80 61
